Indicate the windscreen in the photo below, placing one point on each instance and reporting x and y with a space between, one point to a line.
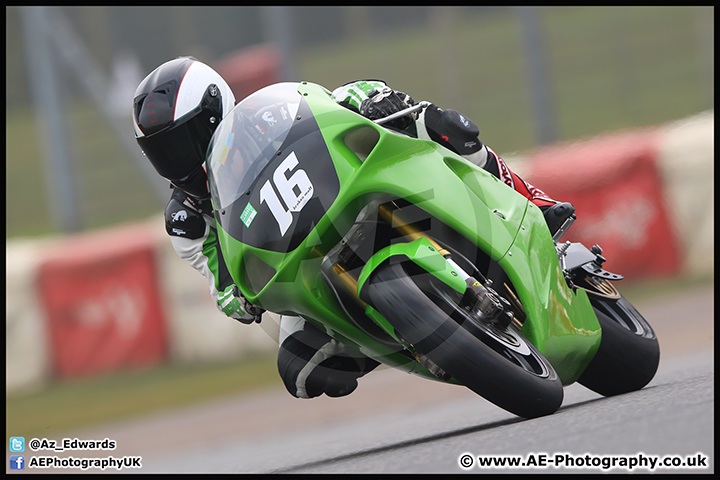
247 139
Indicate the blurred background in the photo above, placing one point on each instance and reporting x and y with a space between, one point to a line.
80 198
527 76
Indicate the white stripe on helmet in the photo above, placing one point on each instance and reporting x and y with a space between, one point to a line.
193 87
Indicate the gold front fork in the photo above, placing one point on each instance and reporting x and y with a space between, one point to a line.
387 213
349 282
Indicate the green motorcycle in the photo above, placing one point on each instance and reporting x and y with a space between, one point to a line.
413 255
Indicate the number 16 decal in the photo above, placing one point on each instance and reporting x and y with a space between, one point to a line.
295 191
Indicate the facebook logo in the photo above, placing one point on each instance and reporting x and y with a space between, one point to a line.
17 462
17 444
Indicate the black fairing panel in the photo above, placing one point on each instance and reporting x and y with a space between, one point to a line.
302 165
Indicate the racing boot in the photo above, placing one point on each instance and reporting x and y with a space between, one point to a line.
341 374
311 363
556 215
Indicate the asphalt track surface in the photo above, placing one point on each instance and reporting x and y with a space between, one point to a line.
398 423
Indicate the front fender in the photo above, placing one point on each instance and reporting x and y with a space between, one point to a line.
422 253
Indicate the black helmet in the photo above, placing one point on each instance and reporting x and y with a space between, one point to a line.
176 110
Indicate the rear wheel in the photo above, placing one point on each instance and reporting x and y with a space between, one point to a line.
629 353
494 361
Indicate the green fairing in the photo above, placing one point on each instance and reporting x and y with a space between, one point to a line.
501 222
561 322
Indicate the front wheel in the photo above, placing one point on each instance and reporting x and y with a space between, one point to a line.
629 353
495 362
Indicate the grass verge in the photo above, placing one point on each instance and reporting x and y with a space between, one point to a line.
72 404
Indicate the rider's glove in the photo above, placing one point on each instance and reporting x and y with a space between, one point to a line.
235 306
384 102
255 311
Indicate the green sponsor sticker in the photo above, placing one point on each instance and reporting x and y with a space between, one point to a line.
248 215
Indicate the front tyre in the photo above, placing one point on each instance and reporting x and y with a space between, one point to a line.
629 353
495 362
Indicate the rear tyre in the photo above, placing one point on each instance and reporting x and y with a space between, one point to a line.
629 353
495 362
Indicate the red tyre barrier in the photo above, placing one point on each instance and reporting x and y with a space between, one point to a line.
102 303
250 70
615 184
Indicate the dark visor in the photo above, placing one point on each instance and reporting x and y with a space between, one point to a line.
178 150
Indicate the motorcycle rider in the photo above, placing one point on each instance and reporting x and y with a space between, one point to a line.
176 109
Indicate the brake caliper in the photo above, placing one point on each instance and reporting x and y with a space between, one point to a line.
485 303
